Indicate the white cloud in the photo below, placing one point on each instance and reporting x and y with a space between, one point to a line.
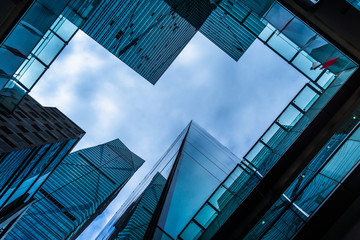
235 102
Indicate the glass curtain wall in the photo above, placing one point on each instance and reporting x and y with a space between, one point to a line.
203 164
325 67
23 173
134 216
34 43
313 186
75 190
233 27
190 171
20 178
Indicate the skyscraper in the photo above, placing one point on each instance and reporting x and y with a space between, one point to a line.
33 141
280 176
309 162
175 188
149 35
134 222
299 158
146 35
35 32
79 190
293 159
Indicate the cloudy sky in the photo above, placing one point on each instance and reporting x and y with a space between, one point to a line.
234 101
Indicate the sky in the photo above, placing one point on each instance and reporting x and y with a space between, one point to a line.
234 101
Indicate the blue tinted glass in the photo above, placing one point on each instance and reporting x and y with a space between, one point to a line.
282 46
305 98
289 117
50 49
64 28
203 165
33 72
63 199
355 3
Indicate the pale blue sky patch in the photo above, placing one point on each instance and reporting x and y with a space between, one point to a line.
234 101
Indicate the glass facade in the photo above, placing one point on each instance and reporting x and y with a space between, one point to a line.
22 59
313 186
23 171
301 47
34 140
149 35
217 202
233 27
264 155
175 189
301 39
355 3
34 43
198 183
146 35
78 189
134 222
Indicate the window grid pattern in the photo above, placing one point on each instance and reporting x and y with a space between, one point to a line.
78 186
313 186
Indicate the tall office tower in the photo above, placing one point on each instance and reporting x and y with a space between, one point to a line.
297 212
233 26
302 175
149 35
146 35
133 223
176 187
32 34
78 191
33 141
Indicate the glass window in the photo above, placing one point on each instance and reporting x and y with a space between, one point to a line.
325 79
32 74
39 17
273 135
289 117
266 33
232 177
304 63
51 47
315 193
305 98
11 95
206 215
316 43
9 63
255 150
192 231
343 161
278 16
283 46
22 40
214 200
285 227
298 32
64 28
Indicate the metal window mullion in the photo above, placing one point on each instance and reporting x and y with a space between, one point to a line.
297 107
